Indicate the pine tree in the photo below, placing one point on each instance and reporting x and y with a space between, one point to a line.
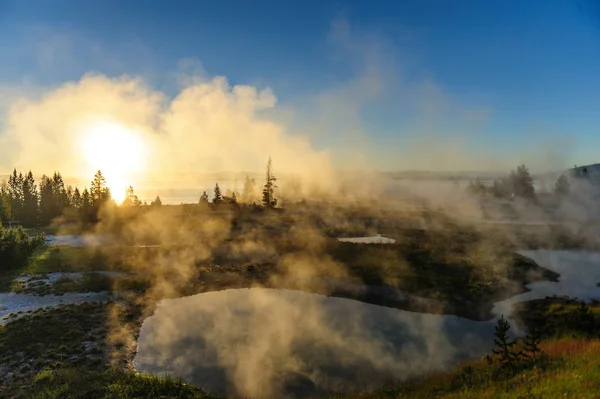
249 189
99 191
130 198
584 320
531 345
15 188
70 195
234 199
502 188
99 195
156 202
476 187
522 183
203 198
86 208
503 344
30 200
5 213
218 197
48 208
76 199
61 199
269 200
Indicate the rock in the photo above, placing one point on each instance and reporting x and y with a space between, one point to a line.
9 376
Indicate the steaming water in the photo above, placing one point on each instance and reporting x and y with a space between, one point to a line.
271 343
73 240
579 275
378 239
89 240
253 342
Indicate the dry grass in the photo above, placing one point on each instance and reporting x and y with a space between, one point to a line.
571 370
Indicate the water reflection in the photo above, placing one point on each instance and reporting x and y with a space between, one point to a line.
272 343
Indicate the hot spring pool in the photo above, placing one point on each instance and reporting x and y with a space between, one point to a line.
262 342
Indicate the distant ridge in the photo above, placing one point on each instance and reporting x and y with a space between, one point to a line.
592 171
440 175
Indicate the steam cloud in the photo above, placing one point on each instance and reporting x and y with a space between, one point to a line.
272 343
210 126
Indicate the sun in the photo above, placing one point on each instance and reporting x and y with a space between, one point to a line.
116 150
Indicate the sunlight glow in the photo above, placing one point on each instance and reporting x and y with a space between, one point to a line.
118 151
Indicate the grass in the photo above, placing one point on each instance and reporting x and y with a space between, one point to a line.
63 352
558 317
55 259
462 270
88 282
50 259
66 259
53 336
79 336
76 383
73 259
8 274
568 369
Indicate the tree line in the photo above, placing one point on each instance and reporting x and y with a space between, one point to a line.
24 202
248 195
518 183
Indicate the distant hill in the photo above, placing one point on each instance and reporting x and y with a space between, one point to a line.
450 175
590 171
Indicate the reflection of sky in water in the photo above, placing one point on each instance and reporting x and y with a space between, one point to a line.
579 276
242 341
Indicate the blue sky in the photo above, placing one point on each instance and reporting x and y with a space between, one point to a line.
500 74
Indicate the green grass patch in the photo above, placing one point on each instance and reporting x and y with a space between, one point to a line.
559 317
67 259
567 367
570 370
8 274
83 383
